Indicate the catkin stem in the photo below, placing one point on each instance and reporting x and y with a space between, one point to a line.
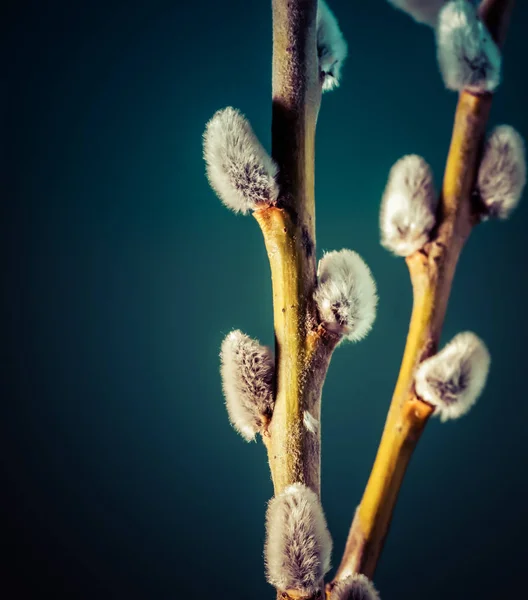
432 271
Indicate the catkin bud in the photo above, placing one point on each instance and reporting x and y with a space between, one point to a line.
331 46
502 172
298 545
468 57
453 379
408 206
346 294
354 587
248 372
423 11
238 168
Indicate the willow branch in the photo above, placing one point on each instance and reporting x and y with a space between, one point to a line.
302 349
432 270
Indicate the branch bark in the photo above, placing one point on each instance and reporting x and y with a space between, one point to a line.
303 349
432 270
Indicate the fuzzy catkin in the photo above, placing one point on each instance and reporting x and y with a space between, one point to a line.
453 379
502 172
248 372
238 168
408 207
354 587
331 47
346 295
467 55
298 544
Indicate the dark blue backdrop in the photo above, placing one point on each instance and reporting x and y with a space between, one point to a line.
121 477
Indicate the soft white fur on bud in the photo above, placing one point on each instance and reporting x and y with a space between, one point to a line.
331 46
453 379
310 422
408 207
468 57
502 172
423 11
298 545
346 294
354 587
238 168
248 371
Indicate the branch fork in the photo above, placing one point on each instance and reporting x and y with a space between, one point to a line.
315 309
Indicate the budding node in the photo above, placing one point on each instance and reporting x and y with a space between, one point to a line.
502 172
453 379
248 372
331 47
468 57
238 168
298 544
408 207
346 295
354 587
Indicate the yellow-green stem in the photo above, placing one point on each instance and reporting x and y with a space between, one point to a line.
303 354
303 349
432 271
289 234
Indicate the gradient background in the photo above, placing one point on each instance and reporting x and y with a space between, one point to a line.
121 477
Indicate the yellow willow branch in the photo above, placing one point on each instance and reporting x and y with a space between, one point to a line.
303 354
303 349
432 271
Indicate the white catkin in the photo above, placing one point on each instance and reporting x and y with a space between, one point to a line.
248 371
502 172
408 207
468 57
354 587
238 168
298 544
331 46
346 295
453 379
422 11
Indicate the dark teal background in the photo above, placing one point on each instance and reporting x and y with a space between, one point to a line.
121 477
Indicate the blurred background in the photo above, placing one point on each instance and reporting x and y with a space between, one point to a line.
122 272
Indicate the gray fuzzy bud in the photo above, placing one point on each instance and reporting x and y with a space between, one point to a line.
238 168
453 379
408 207
298 545
346 294
248 372
354 587
331 46
502 172
468 57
